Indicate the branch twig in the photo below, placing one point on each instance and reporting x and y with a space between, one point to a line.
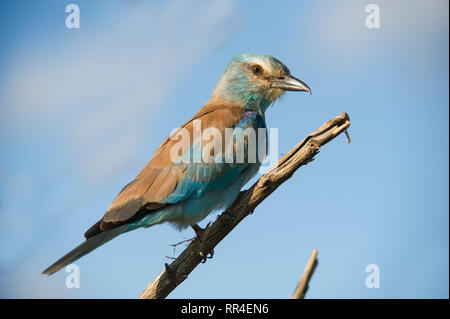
302 286
245 204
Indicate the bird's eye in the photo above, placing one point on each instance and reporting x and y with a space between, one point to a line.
256 69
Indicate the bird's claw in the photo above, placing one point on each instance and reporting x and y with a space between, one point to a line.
207 255
204 251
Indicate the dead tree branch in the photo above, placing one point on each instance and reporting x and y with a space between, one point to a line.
302 286
245 204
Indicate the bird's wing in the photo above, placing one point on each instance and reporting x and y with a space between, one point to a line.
163 182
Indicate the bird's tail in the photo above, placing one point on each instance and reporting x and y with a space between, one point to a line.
85 248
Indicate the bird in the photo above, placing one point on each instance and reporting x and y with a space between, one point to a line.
184 191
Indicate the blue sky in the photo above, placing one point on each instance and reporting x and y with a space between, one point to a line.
82 111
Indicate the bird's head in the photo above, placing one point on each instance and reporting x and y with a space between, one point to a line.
255 81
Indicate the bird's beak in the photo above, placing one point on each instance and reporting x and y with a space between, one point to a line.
290 83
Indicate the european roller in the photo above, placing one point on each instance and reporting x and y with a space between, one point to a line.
184 191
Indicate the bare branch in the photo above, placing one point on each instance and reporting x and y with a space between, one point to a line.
302 286
245 204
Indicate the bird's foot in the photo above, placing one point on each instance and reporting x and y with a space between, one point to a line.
204 251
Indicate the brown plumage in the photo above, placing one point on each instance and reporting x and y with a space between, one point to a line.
160 177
